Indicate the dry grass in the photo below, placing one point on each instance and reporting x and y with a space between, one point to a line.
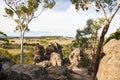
43 41
15 51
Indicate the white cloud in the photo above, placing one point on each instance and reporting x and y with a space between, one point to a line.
62 23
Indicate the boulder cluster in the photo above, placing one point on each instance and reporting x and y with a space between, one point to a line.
48 64
51 55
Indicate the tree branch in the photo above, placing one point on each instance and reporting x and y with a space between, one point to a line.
115 11
9 6
103 10
39 13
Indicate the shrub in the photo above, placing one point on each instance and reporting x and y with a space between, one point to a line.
10 46
28 58
84 62
5 53
66 50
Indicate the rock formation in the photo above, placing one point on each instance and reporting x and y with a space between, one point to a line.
74 57
12 71
39 54
52 55
55 59
6 67
27 72
109 68
58 73
53 47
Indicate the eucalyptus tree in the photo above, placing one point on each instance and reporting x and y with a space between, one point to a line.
101 5
87 39
23 12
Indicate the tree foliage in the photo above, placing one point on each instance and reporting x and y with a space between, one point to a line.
115 35
87 38
23 11
86 4
3 37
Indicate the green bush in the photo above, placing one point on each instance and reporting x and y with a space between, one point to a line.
5 53
66 49
10 46
84 62
28 58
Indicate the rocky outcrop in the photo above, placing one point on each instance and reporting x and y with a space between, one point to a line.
6 67
52 53
55 59
27 72
62 73
58 73
39 54
79 74
12 71
53 47
109 68
74 57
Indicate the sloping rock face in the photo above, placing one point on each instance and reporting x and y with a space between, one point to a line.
58 73
27 72
109 68
12 71
6 65
79 74
62 73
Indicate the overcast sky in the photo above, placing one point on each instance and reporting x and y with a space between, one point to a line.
62 20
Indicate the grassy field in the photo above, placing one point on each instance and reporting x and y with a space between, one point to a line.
31 41
16 51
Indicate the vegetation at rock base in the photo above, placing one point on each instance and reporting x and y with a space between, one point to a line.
12 49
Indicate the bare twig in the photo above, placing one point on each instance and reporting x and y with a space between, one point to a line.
103 10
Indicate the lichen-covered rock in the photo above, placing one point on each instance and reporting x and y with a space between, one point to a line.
79 74
57 73
44 63
113 46
6 65
74 57
39 54
109 68
27 72
53 47
55 59
62 73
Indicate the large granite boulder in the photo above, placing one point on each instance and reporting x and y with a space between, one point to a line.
6 65
62 73
109 68
74 57
55 59
12 71
53 47
58 73
27 72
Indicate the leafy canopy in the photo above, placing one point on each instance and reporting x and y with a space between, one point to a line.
115 35
86 37
23 11
85 4
3 37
